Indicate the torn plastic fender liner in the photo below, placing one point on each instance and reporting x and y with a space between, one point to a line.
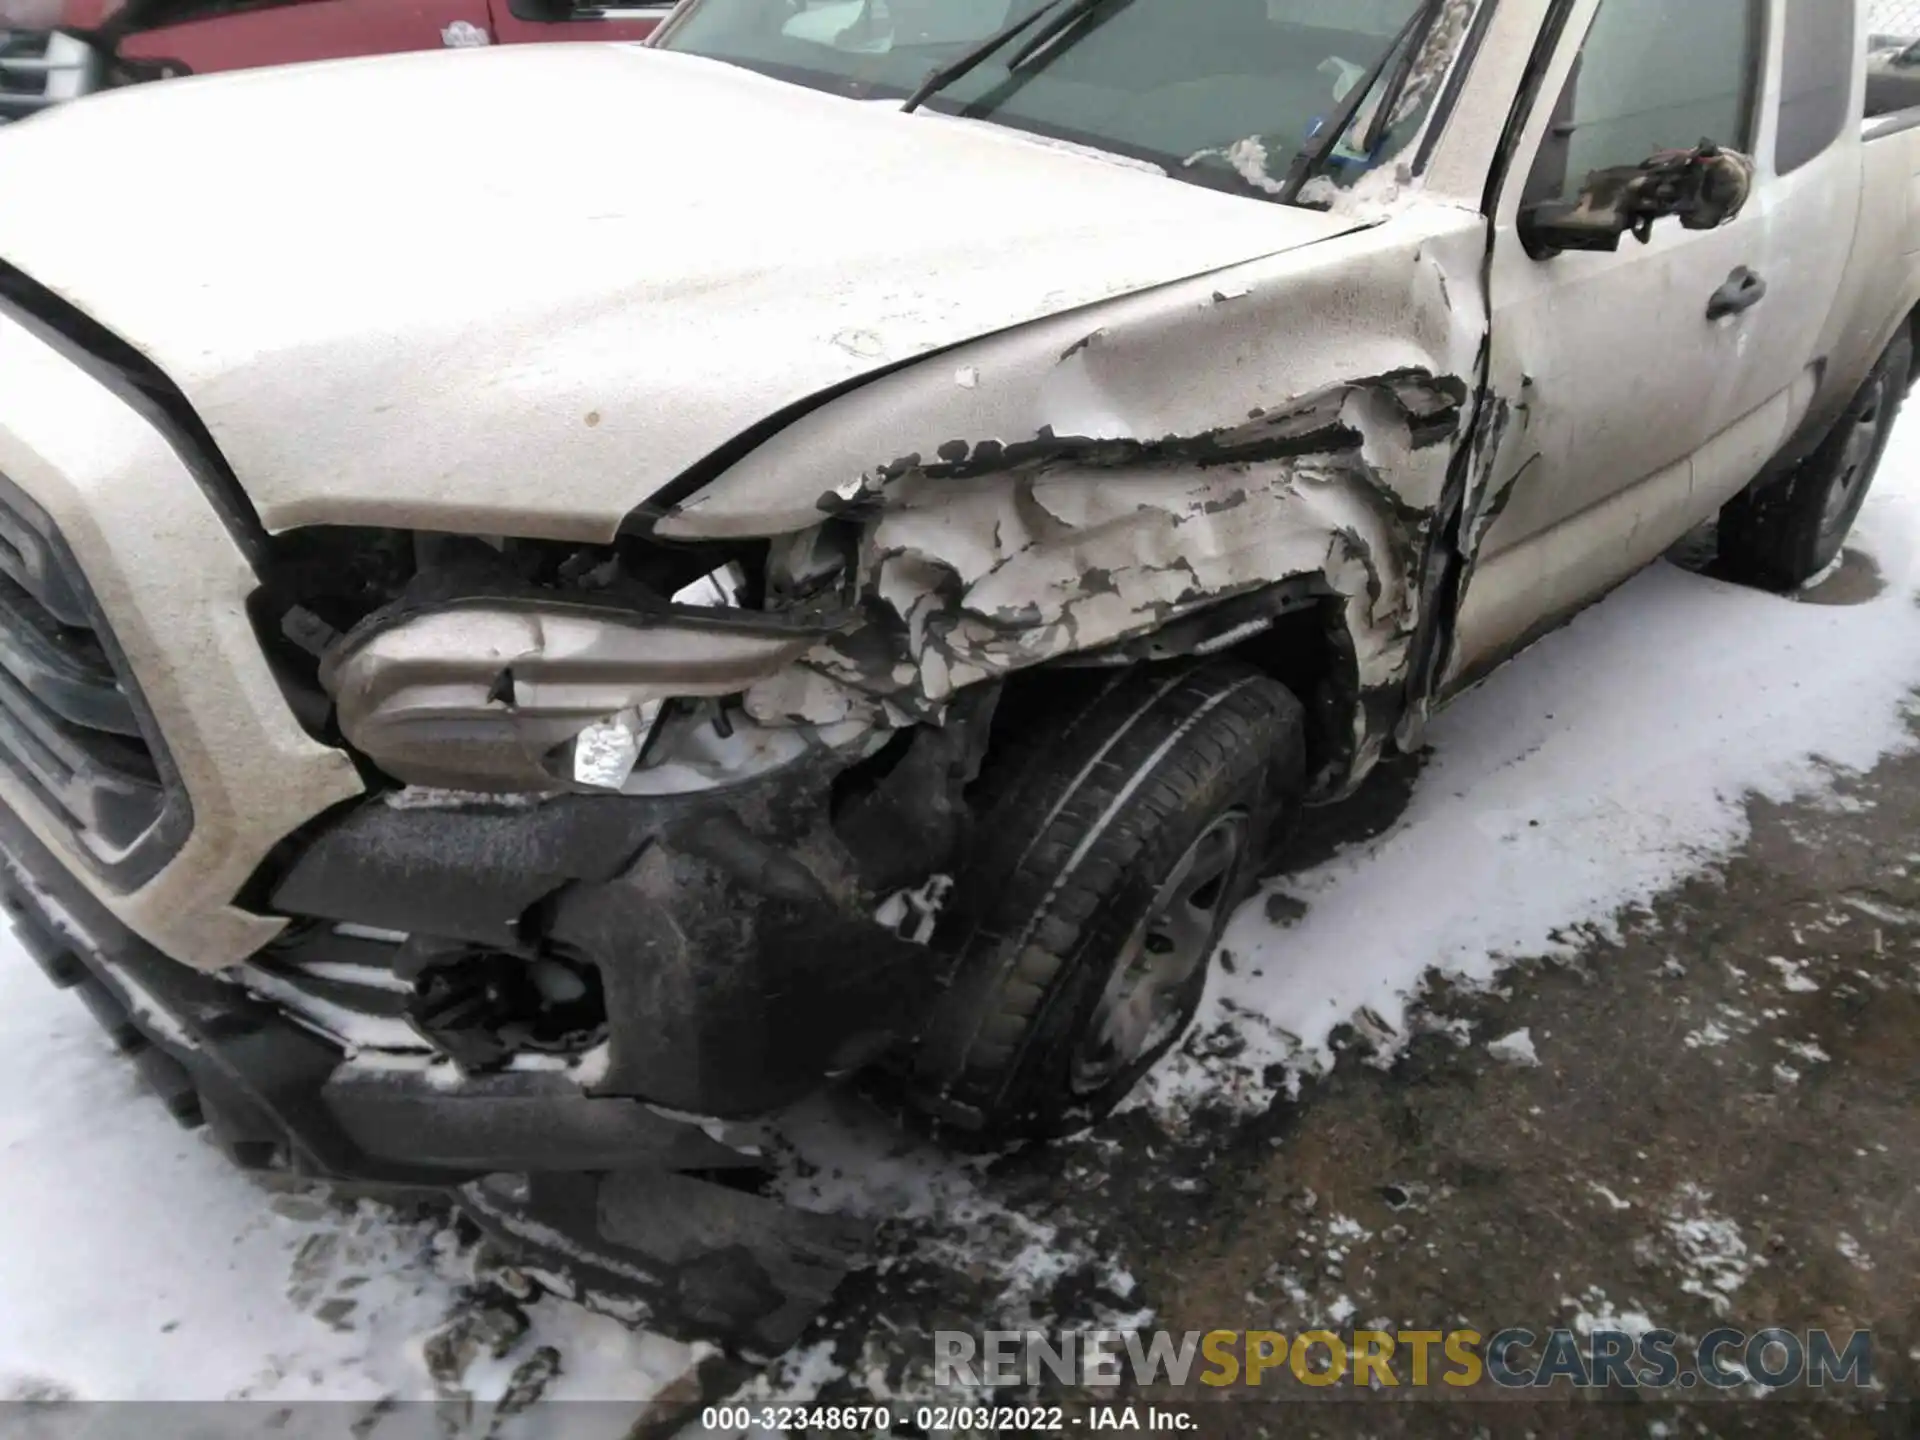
729 1002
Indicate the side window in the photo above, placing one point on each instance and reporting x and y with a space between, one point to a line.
1653 75
1817 85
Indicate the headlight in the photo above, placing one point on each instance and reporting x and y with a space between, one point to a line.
515 695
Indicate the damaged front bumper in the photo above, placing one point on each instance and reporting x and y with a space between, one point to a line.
603 1171
724 949
547 1006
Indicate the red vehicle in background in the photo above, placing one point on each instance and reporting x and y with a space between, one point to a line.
55 50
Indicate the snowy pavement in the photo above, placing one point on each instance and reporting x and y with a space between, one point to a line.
1594 773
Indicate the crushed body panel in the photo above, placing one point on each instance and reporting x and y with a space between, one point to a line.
1072 484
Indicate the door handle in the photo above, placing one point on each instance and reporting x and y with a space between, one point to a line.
1742 292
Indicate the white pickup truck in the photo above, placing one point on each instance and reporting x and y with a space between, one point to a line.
831 541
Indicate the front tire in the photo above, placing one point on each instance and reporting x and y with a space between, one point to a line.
1121 823
1782 535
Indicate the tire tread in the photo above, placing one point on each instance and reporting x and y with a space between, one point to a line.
1037 808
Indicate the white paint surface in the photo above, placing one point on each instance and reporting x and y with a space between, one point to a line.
562 303
134 1262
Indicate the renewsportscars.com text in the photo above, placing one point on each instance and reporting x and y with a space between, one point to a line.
1517 1358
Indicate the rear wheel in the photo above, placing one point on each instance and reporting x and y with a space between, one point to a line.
1121 824
1784 534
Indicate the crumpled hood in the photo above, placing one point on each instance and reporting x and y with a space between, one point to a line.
518 290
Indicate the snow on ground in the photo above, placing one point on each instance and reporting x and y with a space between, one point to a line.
136 1263
1589 775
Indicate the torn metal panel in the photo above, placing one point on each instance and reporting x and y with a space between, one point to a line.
1493 484
1194 359
1364 410
1104 475
1058 562
1459 527
905 824
1060 556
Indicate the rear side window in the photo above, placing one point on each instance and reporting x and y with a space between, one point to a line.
1654 75
1816 87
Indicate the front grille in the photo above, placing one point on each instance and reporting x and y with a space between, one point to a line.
73 728
39 68
24 44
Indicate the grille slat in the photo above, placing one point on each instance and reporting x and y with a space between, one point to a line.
27 559
62 665
71 725
24 44
43 68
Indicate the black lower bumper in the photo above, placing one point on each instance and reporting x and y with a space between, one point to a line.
732 941
629 1201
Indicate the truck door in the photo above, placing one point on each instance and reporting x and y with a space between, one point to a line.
524 21
1813 180
1646 386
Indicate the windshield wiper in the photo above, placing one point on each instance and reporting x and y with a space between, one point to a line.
1312 155
1061 13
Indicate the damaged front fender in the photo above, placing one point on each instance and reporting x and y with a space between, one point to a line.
1066 488
965 583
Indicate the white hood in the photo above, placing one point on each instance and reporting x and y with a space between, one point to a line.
520 289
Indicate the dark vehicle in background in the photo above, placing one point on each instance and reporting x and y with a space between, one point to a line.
57 50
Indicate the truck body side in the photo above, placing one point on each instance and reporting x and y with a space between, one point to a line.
387 550
1595 444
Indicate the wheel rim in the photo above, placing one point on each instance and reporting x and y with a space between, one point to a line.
1146 998
1856 461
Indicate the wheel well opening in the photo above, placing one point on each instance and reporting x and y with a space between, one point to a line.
1306 648
1913 326
1310 652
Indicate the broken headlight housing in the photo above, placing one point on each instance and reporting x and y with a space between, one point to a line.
527 694
533 666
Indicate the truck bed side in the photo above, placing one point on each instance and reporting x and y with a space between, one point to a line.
1881 288
1890 217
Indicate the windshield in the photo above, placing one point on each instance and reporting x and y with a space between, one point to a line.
1223 92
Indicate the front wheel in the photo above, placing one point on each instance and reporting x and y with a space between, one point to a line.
1782 535
1121 824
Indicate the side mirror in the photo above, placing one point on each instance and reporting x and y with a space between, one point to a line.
1703 188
